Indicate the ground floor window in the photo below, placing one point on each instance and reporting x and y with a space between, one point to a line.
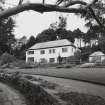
43 60
52 60
31 59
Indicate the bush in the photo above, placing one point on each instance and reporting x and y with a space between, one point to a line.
33 93
74 98
7 58
67 66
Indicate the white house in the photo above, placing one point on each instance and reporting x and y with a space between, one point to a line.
97 57
48 52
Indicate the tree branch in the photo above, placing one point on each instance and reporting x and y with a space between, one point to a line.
70 3
39 8
89 7
50 8
92 3
97 20
74 3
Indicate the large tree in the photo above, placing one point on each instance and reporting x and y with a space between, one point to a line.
6 35
46 35
93 11
60 6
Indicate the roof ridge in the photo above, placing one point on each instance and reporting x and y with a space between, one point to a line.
50 44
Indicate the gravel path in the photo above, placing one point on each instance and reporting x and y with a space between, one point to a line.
10 96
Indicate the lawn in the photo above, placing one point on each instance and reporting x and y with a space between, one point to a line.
96 75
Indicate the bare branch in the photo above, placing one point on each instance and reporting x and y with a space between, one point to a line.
39 8
70 3
74 3
89 7
20 2
50 8
92 3
97 20
59 2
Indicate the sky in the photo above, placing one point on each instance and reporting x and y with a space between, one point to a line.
31 23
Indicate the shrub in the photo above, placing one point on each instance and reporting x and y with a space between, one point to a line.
74 98
33 93
7 58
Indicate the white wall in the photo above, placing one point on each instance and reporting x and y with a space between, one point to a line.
58 51
97 58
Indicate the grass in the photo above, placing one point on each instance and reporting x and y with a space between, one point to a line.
42 82
94 75
74 98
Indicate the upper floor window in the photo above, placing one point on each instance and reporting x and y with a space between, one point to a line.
42 52
30 52
64 49
72 49
52 51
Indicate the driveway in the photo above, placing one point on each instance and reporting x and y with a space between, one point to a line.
10 96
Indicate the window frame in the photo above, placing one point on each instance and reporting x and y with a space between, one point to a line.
64 49
30 52
42 52
51 51
51 61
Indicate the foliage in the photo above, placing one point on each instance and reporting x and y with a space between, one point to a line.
6 36
77 54
93 12
31 41
57 31
46 35
33 92
7 58
81 99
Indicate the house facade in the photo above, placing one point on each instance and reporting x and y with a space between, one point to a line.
48 52
97 57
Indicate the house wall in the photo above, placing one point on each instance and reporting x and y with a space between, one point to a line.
97 58
58 51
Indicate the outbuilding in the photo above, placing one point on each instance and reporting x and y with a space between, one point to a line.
97 57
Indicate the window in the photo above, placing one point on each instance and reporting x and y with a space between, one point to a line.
42 52
52 51
64 49
72 49
51 60
43 60
31 59
30 52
